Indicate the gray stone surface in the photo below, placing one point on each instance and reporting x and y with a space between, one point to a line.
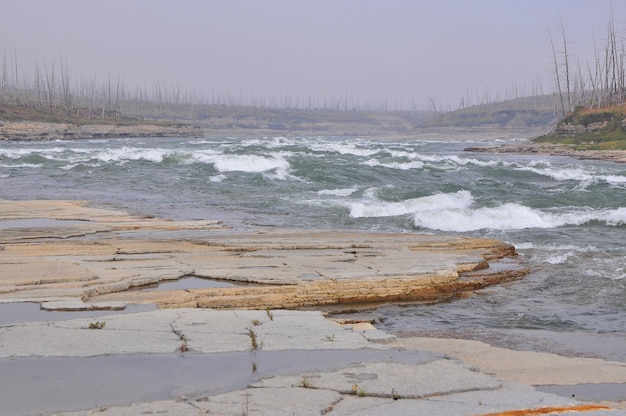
279 396
387 383
166 331
389 379
79 305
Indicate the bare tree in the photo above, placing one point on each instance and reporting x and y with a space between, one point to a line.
557 75
49 86
66 92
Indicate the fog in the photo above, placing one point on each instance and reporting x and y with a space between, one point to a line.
399 52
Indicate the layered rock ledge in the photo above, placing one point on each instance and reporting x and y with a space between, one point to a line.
62 250
33 131
553 149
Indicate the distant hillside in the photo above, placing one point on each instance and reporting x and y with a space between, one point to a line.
525 112
209 120
231 120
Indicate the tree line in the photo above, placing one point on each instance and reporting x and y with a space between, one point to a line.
53 87
591 84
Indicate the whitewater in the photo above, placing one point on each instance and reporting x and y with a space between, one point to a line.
566 217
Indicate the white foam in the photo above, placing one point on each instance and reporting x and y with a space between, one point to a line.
585 175
375 208
21 152
217 178
252 164
343 148
132 153
249 163
457 160
395 165
457 212
524 246
559 258
22 165
338 192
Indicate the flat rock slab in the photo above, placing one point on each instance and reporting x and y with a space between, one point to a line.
181 330
460 391
387 382
393 380
64 249
79 305
528 367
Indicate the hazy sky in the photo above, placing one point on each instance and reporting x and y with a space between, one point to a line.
394 50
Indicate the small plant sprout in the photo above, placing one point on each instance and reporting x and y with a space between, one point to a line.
97 325
359 391
254 366
394 394
330 338
269 313
306 383
256 345
256 322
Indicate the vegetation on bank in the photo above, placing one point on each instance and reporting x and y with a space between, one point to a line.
591 129
590 97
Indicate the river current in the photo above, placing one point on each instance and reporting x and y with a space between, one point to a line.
566 217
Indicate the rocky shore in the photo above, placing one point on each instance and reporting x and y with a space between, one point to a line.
34 131
552 149
76 339
67 250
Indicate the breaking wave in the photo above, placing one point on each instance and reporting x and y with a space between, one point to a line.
457 212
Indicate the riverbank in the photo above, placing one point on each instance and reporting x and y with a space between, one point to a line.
37 131
63 258
552 149
226 126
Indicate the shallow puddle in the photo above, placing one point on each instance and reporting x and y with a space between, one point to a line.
610 392
188 283
44 385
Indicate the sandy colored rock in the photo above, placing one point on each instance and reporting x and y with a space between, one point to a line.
528 367
97 255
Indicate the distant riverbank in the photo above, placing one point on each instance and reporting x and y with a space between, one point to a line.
553 149
36 131
45 131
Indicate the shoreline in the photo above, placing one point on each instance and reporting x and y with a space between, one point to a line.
547 149
99 254
41 131
24 131
67 256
